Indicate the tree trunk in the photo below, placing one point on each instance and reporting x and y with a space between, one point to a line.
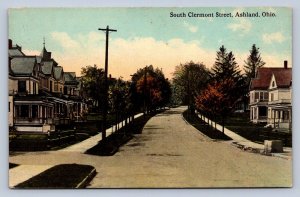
223 124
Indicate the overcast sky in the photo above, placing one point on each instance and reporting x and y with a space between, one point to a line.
150 36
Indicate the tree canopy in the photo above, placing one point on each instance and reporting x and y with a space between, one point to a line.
93 84
150 88
189 78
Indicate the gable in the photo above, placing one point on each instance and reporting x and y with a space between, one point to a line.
273 83
47 68
283 76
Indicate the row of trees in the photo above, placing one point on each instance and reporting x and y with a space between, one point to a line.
147 90
215 92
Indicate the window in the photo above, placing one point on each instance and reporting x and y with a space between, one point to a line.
262 111
51 86
56 87
65 90
34 111
272 97
24 113
273 84
261 96
8 106
34 88
22 86
285 115
266 96
256 95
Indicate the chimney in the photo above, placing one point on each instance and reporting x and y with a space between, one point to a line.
285 64
9 43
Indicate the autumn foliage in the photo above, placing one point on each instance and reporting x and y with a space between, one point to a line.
150 89
216 98
150 86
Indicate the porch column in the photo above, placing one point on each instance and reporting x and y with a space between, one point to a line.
29 111
274 114
290 120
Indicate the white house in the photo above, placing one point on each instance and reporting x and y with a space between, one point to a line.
271 97
280 100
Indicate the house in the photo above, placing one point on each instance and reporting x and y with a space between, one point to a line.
270 96
38 101
13 51
73 91
31 112
280 99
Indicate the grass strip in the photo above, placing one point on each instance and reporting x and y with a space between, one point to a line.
203 127
112 143
64 176
12 165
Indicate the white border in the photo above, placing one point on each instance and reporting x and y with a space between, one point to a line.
5 4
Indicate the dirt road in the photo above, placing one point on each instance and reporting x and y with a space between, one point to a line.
172 153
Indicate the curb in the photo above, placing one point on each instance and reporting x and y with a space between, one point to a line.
259 151
281 156
87 179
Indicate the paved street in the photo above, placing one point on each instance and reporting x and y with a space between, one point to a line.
172 153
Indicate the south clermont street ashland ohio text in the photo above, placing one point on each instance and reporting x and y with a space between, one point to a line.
219 14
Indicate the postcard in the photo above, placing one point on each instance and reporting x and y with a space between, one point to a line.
173 97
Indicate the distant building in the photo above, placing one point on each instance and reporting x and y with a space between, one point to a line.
271 97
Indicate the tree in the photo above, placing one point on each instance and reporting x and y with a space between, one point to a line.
93 84
150 89
225 66
119 100
189 80
216 99
253 62
226 88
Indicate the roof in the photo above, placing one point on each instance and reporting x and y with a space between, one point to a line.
38 59
15 52
23 65
70 78
72 74
47 68
283 78
78 79
45 54
58 71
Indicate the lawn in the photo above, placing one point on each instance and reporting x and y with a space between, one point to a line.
240 124
64 176
58 139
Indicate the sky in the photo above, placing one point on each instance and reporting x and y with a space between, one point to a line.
149 36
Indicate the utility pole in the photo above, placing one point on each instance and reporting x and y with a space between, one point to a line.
105 103
145 90
189 92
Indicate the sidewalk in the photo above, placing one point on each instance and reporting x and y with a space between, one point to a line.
22 173
83 146
248 145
